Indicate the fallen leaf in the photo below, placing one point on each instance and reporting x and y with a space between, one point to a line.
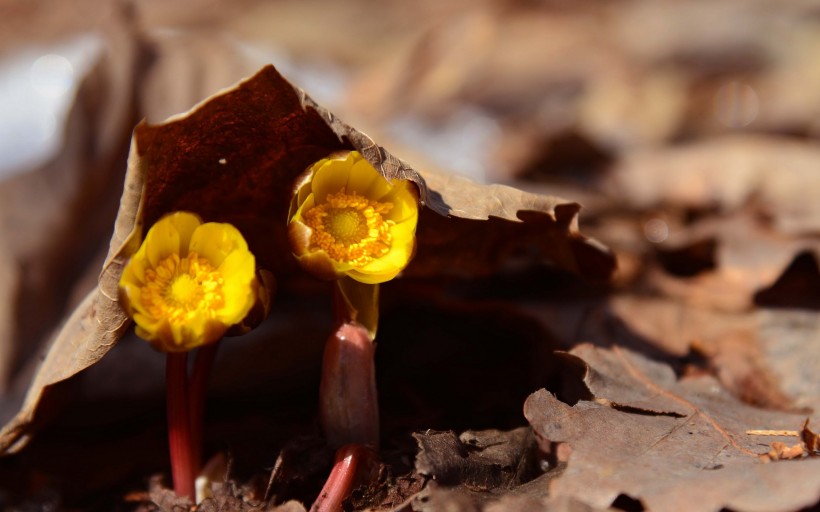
740 348
521 503
749 258
672 444
480 461
786 338
233 158
526 498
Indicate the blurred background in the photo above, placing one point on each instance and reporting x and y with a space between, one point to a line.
688 131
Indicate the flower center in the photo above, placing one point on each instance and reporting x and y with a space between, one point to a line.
347 225
350 228
180 289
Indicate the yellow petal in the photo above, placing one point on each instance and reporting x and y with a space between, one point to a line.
237 308
146 323
388 266
364 176
161 241
322 266
186 224
329 178
239 273
384 268
374 278
405 203
200 326
305 206
214 241
239 266
404 233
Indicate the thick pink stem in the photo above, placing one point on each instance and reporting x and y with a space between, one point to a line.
349 459
179 424
203 364
348 405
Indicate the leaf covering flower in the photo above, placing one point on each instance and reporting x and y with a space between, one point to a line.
188 282
346 219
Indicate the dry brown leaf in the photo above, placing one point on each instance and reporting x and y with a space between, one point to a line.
672 444
762 367
485 470
810 439
727 172
764 357
479 461
523 503
435 498
749 257
233 158
53 218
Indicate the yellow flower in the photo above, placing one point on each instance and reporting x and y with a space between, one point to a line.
346 219
188 282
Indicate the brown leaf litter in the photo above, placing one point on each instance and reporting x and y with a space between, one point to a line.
672 444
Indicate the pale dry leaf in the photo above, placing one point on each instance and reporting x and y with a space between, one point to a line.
673 444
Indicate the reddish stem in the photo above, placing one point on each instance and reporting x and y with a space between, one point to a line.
203 364
339 485
179 423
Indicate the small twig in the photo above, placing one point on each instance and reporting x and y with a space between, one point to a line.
274 475
783 433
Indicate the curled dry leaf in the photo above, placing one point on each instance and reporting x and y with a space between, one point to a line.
57 216
233 158
673 444
810 439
